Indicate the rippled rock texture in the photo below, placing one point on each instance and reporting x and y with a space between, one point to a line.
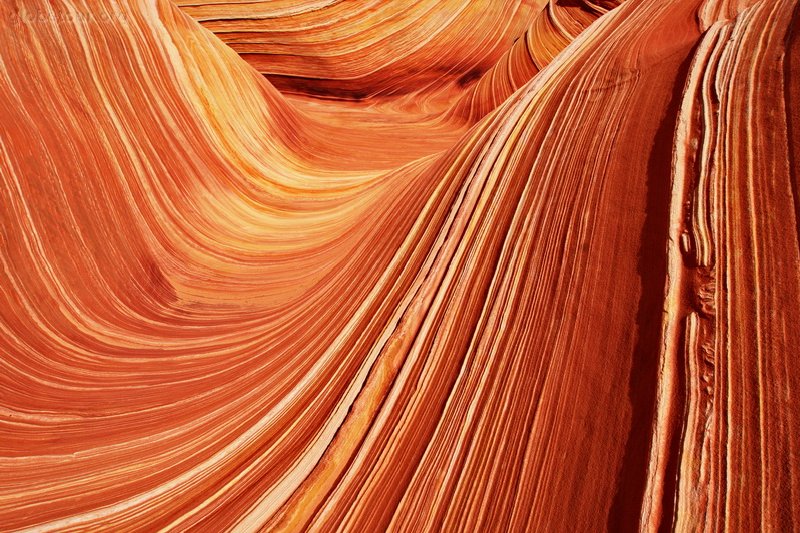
412 266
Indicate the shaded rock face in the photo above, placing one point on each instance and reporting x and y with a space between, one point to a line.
407 266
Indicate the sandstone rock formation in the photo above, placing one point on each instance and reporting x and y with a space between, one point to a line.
409 266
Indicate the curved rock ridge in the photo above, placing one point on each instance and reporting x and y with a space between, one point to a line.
399 266
552 29
356 50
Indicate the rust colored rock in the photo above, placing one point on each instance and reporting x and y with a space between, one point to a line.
407 266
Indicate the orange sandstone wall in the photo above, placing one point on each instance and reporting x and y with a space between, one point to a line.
407 266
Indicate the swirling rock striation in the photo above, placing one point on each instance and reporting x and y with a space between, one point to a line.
429 266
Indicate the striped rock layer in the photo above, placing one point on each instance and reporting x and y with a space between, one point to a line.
409 266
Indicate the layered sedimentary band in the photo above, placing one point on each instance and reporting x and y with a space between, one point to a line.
408 266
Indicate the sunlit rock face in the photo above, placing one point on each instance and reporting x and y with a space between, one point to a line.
406 266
